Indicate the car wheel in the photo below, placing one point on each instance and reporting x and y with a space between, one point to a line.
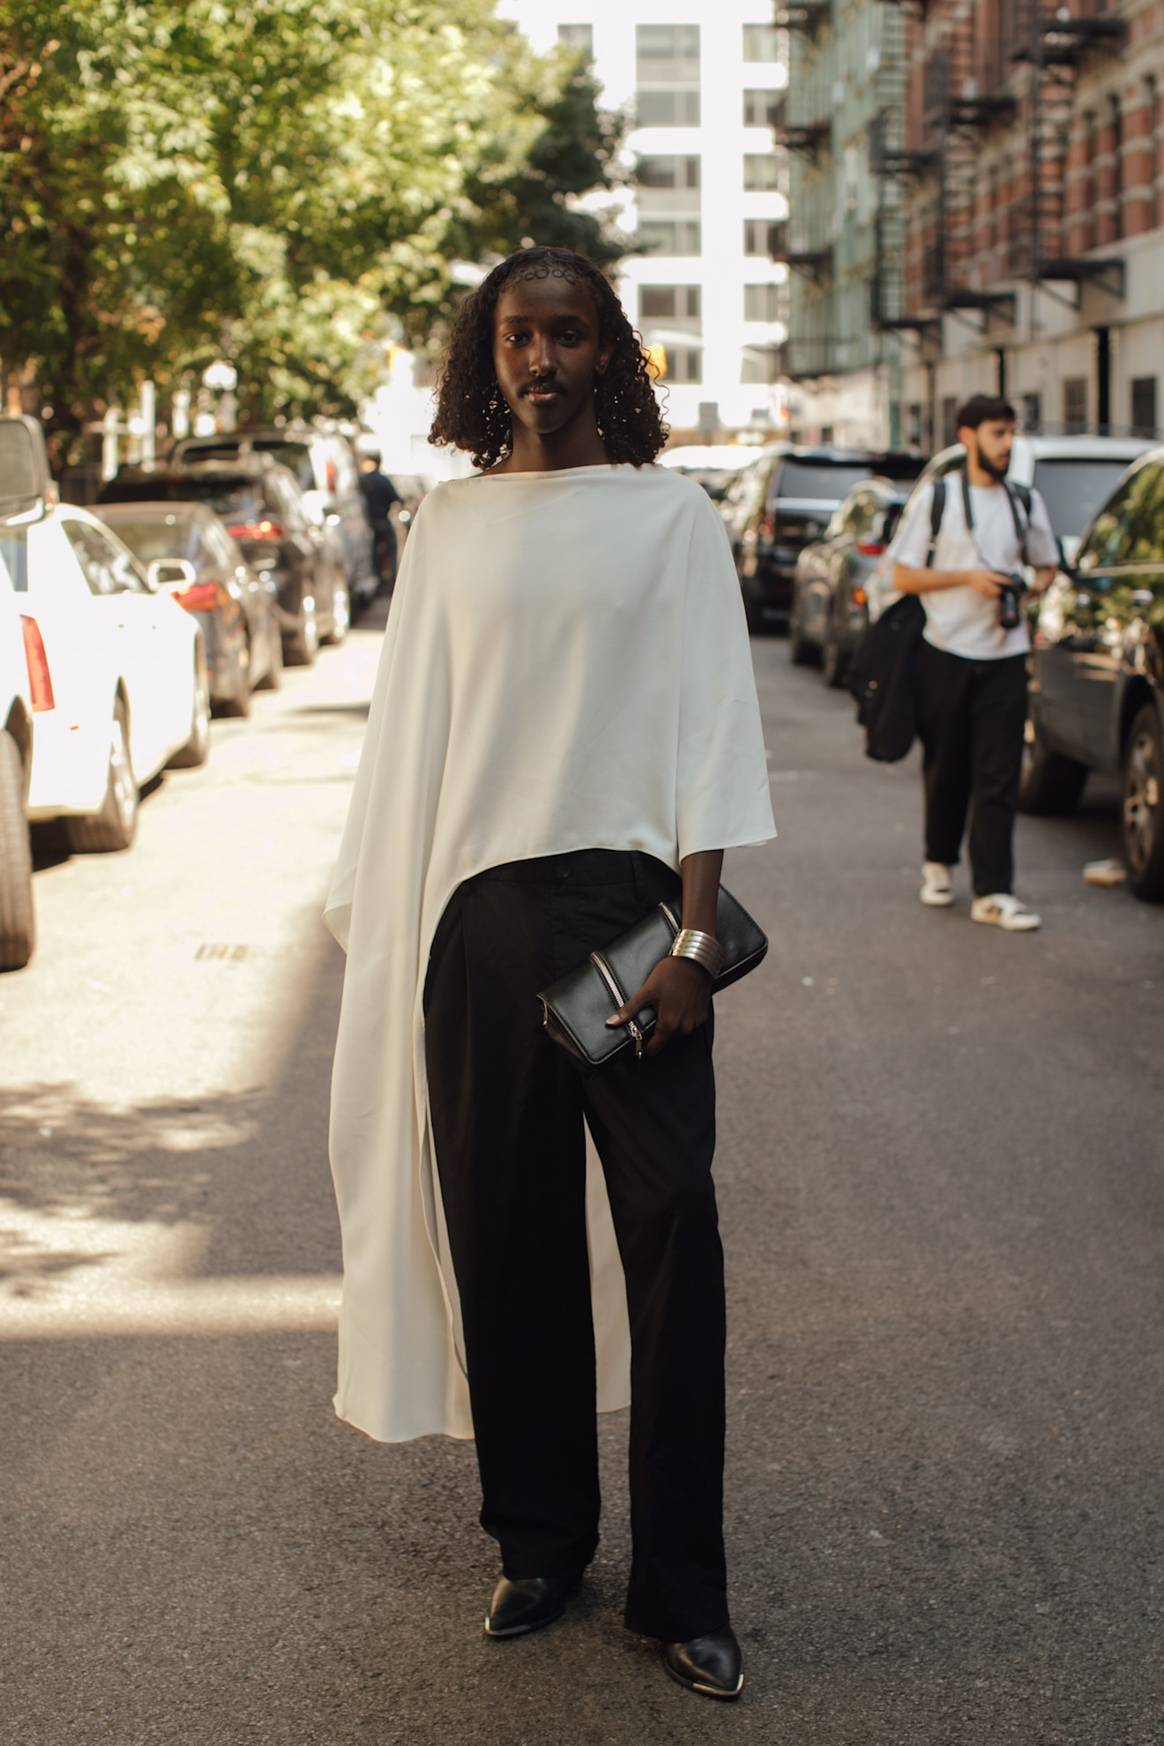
17 913
1050 783
341 616
114 827
302 646
197 747
273 678
800 653
240 702
1143 809
833 662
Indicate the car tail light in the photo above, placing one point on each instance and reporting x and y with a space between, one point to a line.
258 530
871 548
860 598
199 597
332 477
40 681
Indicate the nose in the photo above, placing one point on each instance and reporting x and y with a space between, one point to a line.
541 361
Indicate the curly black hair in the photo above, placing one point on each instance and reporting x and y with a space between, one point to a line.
471 412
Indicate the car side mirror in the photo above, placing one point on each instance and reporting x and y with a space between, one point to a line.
170 574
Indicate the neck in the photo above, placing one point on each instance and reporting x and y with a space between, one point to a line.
577 446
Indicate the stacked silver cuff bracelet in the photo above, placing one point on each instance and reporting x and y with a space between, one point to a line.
703 949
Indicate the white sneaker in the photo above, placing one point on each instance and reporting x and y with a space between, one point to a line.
1003 910
936 889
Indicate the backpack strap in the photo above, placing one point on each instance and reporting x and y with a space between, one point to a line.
1016 494
937 510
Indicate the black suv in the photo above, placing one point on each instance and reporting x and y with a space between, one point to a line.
261 503
1097 673
801 489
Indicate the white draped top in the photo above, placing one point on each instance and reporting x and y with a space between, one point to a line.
566 666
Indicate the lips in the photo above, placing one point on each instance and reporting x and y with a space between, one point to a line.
542 393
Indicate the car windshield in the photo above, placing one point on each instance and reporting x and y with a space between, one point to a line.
14 559
158 536
826 481
1074 490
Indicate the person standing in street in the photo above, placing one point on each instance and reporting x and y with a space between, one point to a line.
379 495
564 733
965 556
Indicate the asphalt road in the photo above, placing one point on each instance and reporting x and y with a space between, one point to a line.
940 1175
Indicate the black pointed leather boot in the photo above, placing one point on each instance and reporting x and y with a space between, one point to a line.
712 1665
525 1603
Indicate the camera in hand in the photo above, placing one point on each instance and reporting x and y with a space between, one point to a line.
1011 590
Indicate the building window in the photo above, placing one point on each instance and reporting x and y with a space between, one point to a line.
1144 406
762 302
668 106
761 42
761 236
667 54
1032 412
761 108
761 172
669 172
684 364
671 236
760 364
577 36
1090 147
670 302
1075 405
914 425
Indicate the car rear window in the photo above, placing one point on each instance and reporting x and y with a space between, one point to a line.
296 456
1075 490
158 536
235 500
826 481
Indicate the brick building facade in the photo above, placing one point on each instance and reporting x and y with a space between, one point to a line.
1027 166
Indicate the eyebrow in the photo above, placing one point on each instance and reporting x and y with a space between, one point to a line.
558 315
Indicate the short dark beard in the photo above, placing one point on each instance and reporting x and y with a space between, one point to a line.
995 472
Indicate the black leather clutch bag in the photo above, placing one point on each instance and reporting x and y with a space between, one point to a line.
576 1008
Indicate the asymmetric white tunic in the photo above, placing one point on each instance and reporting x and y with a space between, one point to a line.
566 666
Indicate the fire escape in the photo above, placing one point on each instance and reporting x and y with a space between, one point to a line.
802 125
1053 45
897 170
963 100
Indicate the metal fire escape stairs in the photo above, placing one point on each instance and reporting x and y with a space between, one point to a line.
1054 46
895 169
959 110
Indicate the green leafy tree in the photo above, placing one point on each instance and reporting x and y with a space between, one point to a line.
279 184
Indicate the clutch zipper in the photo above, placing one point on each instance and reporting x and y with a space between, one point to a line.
617 995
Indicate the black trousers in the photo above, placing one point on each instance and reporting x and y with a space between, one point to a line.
971 718
507 1117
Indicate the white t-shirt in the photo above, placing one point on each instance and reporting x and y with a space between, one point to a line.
960 620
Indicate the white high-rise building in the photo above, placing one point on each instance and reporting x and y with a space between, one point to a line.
699 81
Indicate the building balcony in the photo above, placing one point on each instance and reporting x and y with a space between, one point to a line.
804 360
805 17
809 138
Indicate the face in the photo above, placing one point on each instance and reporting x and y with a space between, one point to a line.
990 445
547 352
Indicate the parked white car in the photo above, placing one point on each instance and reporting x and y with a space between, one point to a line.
128 671
1074 475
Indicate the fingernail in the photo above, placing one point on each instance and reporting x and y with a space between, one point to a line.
614 1019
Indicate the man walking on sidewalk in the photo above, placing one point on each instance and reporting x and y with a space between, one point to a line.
964 555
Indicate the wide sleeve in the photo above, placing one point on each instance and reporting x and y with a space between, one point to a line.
374 766
722 793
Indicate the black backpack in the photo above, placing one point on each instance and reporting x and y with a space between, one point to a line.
881 673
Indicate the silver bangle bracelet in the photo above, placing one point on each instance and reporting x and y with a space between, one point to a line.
703 949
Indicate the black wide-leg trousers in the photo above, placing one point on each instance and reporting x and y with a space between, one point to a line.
971 717
507 1110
